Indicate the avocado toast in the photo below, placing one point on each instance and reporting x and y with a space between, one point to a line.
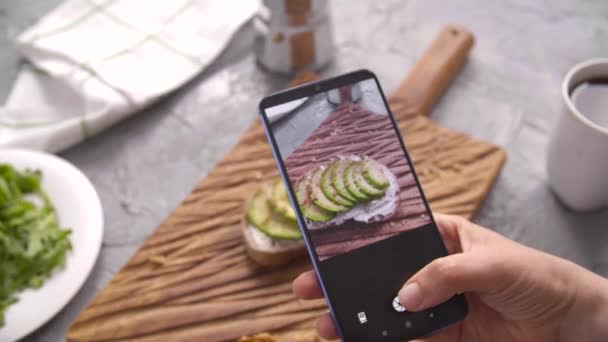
348 187
270 229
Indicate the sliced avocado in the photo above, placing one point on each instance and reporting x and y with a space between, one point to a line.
363 185
309 209
338 180
258 211
351 185
280 201
260 215
281 228
318 196
328 187
373 174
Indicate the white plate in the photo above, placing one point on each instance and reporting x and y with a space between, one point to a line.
78 208
276 112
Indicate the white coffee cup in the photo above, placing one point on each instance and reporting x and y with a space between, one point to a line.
578 151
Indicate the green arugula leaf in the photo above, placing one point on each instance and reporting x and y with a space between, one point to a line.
32 244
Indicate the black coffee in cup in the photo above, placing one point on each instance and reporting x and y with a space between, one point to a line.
591 99
577 156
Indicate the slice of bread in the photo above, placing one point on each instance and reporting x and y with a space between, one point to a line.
267 251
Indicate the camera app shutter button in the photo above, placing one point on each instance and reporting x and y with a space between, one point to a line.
397 306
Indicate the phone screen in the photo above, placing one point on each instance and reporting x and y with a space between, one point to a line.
364 215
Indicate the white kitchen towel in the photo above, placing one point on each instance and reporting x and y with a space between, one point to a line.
95 62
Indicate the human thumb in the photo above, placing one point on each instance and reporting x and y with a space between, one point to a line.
447 276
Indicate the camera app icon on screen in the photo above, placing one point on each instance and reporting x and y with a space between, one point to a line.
362 317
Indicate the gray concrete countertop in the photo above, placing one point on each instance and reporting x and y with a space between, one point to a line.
508 93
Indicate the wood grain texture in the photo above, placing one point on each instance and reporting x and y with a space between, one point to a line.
191 279
432 74
354 130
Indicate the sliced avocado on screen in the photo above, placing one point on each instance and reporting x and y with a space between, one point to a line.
328 187
351 185
363 185
309 209
280 201
262 217
339 180
373 175
318 196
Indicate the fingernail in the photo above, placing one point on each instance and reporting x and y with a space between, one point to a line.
410 296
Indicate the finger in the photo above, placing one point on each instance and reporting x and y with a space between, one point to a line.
460 234
449 227
445 277
306 286
326 327
449 224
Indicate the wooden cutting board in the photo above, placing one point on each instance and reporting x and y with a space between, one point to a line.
192 280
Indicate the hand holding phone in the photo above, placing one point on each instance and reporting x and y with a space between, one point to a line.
538 297
364 217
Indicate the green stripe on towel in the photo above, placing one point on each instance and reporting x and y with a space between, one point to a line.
82 18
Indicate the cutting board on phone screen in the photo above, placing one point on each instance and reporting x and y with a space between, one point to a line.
192 280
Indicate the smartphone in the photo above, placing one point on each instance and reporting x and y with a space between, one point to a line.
364 217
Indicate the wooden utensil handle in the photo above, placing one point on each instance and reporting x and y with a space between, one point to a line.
437 67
